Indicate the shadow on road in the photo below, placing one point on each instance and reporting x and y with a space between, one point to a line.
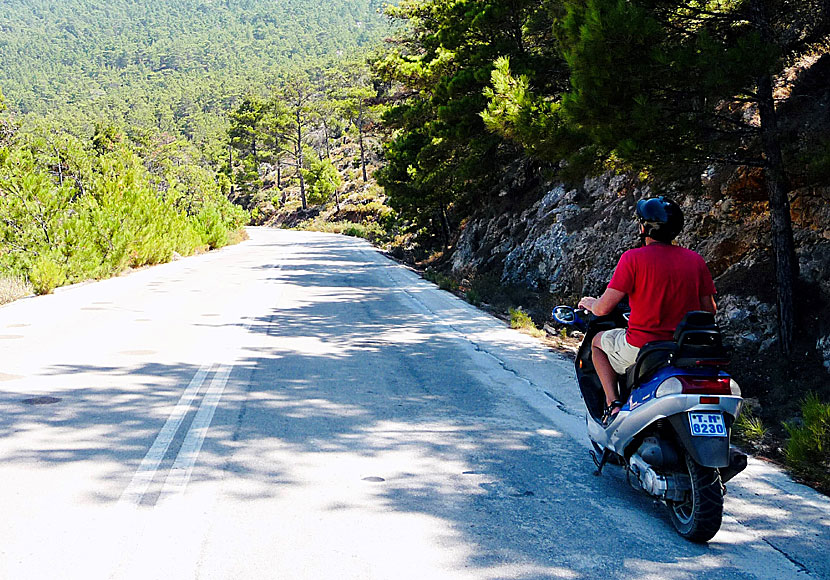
345 378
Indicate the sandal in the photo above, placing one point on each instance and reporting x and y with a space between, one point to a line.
611 411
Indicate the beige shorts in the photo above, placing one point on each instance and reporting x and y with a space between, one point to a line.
621 354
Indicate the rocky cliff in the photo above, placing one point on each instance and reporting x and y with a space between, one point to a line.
568 241
563 241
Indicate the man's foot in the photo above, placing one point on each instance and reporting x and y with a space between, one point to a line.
611 412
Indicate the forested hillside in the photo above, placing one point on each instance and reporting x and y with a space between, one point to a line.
176 64
522 132
117 121
665 89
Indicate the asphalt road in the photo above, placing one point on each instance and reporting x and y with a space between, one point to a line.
300 407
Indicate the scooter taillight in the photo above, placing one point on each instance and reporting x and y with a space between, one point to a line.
706 386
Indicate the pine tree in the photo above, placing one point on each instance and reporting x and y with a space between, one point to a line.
442 161
662 82
247 134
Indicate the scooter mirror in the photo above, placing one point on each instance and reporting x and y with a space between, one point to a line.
564 315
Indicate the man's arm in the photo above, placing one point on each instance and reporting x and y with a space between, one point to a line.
603 305
707 303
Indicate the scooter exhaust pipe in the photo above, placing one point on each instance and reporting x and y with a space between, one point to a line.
667 487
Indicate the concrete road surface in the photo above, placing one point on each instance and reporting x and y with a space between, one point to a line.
300 407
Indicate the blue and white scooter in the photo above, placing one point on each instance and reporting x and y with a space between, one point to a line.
672 435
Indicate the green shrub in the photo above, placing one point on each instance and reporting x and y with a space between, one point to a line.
356 231
521 320
46 275
473 297
808 448
114 213
322 179
750 429
443 281
367 231
210 227
370 231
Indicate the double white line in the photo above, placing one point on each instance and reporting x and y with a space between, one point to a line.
182 468
179 475
135 491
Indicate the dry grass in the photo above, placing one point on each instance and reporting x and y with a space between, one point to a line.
12 288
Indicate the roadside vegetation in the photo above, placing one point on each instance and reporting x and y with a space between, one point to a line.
808 449
13 288
750 431
88 206
521 320
126 144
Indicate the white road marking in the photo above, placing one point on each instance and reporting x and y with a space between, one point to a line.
135 491
182 468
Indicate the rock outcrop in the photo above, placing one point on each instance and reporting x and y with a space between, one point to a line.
568 241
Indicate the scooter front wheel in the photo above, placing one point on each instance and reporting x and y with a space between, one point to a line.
698 517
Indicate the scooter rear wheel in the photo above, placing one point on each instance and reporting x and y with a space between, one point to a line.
698 517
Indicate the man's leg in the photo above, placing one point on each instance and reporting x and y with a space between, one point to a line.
606 373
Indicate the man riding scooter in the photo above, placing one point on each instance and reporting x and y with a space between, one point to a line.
662 281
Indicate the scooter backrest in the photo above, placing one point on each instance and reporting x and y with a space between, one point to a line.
699 342
698 328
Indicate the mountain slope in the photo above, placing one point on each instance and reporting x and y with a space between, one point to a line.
165 63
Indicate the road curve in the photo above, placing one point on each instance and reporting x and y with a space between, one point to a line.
299 406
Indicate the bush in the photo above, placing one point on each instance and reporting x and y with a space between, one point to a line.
115 212
808 449
369 231
322 179
441 280
750 429
46 275
211 229
521 320
473 297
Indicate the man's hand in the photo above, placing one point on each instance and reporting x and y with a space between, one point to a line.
603 305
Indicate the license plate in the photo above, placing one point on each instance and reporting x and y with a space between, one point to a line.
707 424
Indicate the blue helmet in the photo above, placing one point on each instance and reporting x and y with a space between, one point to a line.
661 217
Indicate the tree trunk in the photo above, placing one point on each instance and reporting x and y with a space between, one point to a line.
362 154
299 158
445 225
362 147
786 262
326 138
778 188
230 166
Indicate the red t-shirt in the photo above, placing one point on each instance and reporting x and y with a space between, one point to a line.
663 283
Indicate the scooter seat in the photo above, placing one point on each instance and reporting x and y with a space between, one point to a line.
652 356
